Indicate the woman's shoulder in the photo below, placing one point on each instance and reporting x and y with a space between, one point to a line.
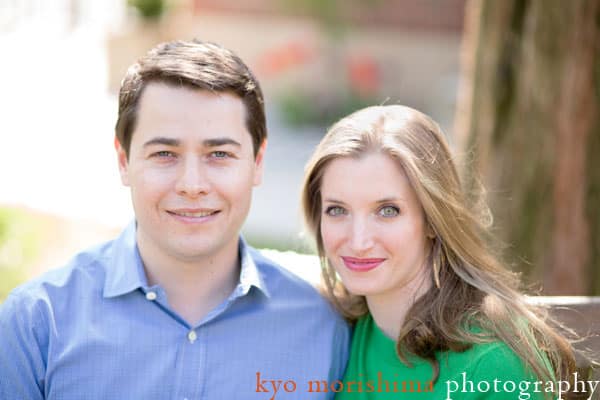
494 352
486 363
492 370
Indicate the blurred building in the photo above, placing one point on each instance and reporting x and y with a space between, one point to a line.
394 51
63 61
58 16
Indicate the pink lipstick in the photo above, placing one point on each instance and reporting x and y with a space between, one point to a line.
362 264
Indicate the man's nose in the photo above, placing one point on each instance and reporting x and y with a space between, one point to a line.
192 180
361 238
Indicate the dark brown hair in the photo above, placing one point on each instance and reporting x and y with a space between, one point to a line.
194 64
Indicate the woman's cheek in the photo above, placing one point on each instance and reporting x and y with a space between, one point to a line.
333 235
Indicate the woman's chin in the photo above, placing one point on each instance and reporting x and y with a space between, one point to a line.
362 288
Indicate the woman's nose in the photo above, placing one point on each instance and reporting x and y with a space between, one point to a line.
361 233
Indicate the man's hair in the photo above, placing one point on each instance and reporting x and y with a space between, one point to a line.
197 65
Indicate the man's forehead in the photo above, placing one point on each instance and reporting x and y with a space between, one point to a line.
164 89
172 113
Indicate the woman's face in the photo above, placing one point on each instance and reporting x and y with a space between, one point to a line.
373 227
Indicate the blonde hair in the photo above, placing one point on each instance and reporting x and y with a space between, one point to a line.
470 287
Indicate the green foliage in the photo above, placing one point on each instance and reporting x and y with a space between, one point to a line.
326 12
149 9
19 245
300 108
330 14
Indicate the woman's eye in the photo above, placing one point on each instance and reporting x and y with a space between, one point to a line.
389 211
334 211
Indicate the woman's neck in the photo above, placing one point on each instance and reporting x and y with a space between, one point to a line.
389 308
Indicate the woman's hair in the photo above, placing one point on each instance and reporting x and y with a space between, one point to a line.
473 298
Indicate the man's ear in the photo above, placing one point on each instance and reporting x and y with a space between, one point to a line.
259 163
123 162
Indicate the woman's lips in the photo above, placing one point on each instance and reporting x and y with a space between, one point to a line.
362 264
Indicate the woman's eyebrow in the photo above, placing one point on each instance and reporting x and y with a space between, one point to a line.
389 200
384 200
330 200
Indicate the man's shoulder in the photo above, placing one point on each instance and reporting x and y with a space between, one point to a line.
54 298
84 271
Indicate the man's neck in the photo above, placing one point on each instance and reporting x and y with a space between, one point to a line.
193 286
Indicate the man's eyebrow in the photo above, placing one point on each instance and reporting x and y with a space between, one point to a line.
163 141
215 142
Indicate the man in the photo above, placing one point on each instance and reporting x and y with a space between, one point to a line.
177 307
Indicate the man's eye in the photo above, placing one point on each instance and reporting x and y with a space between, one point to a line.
335 211
163 154
220 154
388 211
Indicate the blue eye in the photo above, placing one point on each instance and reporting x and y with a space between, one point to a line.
388 211
220 154
163 154
334 211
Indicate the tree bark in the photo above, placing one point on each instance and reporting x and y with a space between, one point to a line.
528 117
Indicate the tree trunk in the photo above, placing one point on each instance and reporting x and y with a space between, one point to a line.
529 118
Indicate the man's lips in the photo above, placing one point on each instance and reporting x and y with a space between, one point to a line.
362 264
193 214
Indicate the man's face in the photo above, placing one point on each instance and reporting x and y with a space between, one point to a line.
191 170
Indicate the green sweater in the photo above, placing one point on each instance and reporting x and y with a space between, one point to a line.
486 371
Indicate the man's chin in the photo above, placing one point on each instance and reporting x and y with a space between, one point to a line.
192 250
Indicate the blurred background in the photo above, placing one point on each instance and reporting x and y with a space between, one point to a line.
514 84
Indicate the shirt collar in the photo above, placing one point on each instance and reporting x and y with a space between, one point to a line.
250 275
125 270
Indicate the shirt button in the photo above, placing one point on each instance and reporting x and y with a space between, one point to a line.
151 296
192 336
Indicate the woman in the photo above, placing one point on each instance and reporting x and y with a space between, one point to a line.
437 315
